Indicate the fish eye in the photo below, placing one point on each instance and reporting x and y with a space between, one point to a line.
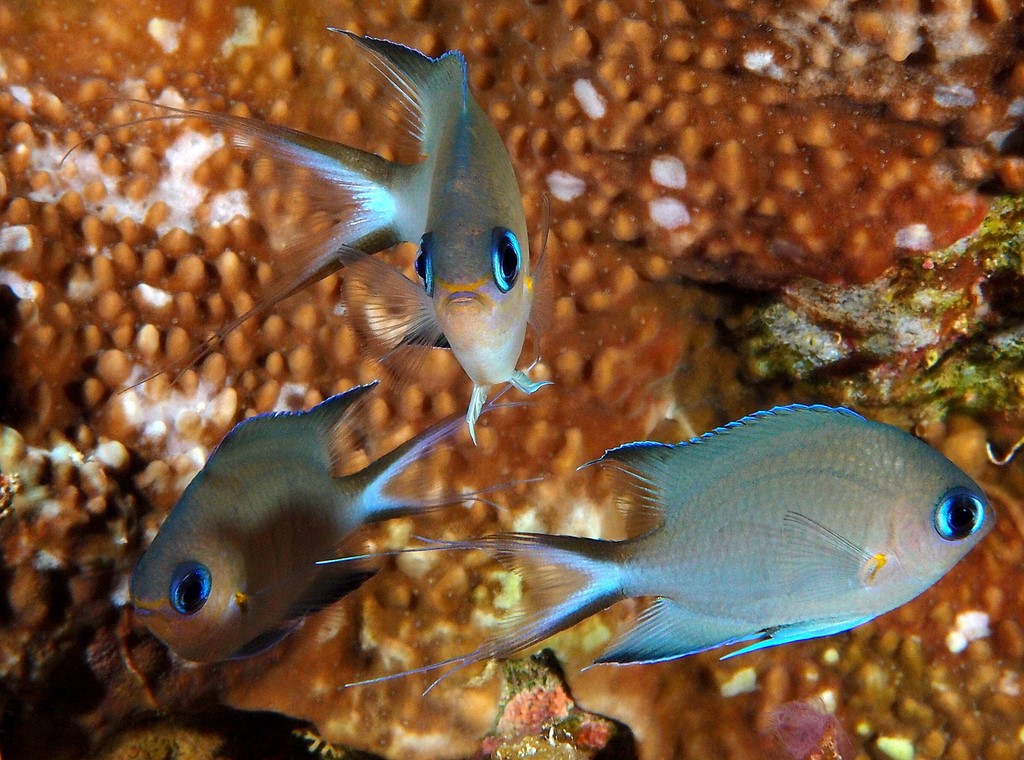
190 587
506 258
424 264
959 514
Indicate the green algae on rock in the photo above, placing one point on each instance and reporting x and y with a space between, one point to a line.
936 333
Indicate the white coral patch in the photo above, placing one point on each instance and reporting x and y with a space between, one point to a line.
915 237
22 95
15 238
668 171
565 187
26 290
156 418
226 206
954 96
589 98
743 681
167 33
151 296
248 26
969 626
669 213
177 187
762 62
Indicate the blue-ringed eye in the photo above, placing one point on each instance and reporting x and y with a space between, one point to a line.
425 264
190 587
506 258
959 514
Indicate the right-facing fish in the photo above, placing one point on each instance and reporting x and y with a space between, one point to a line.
798 522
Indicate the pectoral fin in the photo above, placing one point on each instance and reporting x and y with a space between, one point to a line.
822 562
331 583
392 315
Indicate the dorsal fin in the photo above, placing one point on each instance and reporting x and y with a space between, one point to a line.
329 426
660 476
642 469
418 81
337 428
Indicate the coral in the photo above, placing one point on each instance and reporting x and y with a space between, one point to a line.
807 731
538 718
749 143
938 333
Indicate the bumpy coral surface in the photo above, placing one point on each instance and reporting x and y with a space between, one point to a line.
746 143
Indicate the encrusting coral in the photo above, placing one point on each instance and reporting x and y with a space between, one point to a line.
747 143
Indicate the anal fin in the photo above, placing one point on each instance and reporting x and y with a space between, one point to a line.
799 632
666 631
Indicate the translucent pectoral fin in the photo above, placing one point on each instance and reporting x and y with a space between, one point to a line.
389 310
522 382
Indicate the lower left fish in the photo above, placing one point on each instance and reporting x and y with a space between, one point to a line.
233 569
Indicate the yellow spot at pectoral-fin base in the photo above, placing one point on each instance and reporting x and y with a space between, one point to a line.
241 600
873 567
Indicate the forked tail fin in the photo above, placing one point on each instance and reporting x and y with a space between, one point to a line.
565 580
335 198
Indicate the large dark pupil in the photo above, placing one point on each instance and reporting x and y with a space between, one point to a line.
962 515
509 259
190 591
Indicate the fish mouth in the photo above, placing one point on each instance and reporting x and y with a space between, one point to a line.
463 298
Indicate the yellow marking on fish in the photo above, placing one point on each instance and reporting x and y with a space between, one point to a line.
453 287
142 604
874 567
241 600
528 284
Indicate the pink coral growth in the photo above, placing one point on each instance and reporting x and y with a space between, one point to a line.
527 712
805 731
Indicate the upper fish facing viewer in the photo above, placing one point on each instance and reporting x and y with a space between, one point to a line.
233 568
460 202
786 525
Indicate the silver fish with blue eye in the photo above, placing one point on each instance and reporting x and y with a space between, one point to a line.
789 524
459 201
234 568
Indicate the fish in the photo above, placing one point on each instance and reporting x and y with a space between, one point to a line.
786 525
459 201
233 569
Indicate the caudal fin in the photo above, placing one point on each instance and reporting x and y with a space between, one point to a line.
324 197
565 580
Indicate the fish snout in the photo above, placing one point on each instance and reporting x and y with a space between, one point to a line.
463 298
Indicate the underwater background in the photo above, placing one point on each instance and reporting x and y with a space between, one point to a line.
750 203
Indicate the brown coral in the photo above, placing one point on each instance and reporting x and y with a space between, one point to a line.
748 142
